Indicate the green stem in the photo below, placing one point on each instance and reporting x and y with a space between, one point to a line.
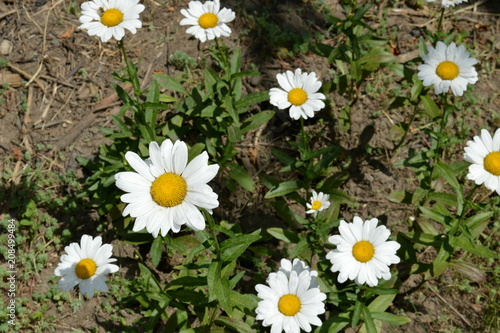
408 129
211 226
132 72
440 21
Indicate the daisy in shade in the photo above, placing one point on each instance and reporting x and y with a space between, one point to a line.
299 93
290 302
110 18
85 265
363 253
207 20
298 266
165 191
448 3
448 67
318 203
484 154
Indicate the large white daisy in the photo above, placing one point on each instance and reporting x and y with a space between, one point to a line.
363 253
165 190
110 18
484 154
448 3
85 265
448 67
318 203
299 93
289 303
207 20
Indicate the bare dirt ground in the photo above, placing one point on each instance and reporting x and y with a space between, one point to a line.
60 92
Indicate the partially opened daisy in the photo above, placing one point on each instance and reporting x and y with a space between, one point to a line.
290 302
484 154
299 92
318 203
448 3
85 265
363 253
448 67
165 191
110 18
207 20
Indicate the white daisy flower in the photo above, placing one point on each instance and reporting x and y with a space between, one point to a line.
363 253
448 66
299 93
298 266
110 18
85 265
318 203
290 303
484 154
207 20
448 3
165 190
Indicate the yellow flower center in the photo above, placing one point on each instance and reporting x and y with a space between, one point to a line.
208 20
169 190
447 70
492 163
111 17
363 251
316 205
297 96
85 268
289 305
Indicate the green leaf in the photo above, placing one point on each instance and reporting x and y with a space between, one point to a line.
284 235
240 175
397 131
356 314
240 75
400 197
167 98
299 248
477 249
477 223
441 262
256 121
390 318
229 102
368 319
416 88
244 301
381 303
430 107
234 247
433 215
252 99
237 325
445 172
283 157
168 82
156 250
283 189
444 198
